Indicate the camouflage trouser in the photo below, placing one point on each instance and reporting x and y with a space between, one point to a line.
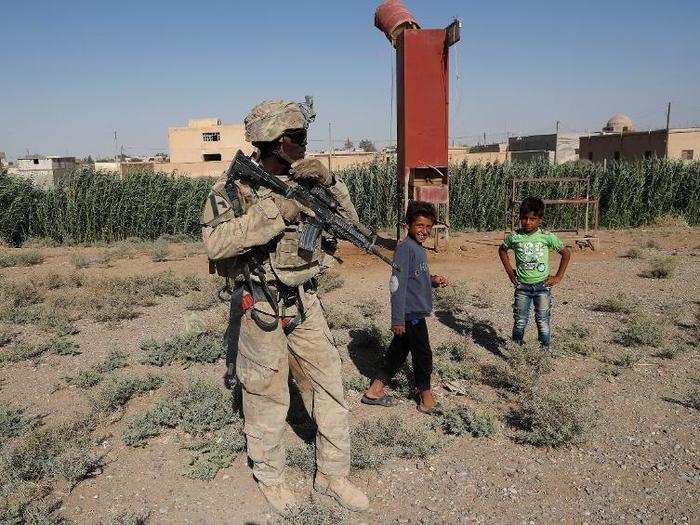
263 365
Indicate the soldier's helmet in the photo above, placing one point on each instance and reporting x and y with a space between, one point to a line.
268 121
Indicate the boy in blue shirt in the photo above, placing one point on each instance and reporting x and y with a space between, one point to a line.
531 276
411 302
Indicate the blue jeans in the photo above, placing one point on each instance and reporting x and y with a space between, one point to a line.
525 295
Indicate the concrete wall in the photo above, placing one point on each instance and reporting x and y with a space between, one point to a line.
187 144
125 168
532 155
349 159
193 169
46 172
566 146
458 155
635 145
684 139
533 143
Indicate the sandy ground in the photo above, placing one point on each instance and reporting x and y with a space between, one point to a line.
638 464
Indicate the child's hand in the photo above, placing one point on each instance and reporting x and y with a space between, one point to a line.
398 329
438 281
553 279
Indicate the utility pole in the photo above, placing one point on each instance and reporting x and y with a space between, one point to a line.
116 148
484 138
668 126
556 142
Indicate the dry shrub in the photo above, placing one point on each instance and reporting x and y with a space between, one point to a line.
455 297
671 220
641 331
160 251
30 466
525 365
302 457
342 317
553 415
186 348
26 351
329 281
356 382
40 242
13 422
573 340
216 453
116 391
692 398
461 421
633 253
311 513
199 408
373 442
618 303
130 517
673 351
20 257
453 362
661 268
626 359
207 297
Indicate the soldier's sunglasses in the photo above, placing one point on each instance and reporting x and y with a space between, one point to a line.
298 137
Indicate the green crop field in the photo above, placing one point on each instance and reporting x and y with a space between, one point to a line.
102 207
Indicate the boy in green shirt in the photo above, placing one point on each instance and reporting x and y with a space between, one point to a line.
531 275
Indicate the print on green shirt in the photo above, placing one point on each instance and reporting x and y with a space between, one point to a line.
532 254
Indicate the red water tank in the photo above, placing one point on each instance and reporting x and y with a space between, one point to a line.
392 17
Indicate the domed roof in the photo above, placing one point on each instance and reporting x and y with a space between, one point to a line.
619 123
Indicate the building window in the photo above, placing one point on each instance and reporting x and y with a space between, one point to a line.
647 154
36 161
211 136
616 155
687 154
209 157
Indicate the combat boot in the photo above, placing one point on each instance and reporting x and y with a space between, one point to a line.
280 498
344 492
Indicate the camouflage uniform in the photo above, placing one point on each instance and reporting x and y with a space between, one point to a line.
264 357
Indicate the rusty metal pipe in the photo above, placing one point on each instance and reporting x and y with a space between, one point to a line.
392 17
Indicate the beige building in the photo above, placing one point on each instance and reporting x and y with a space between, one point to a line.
619 140
204 148
46 172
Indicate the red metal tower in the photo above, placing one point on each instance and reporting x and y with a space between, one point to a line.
422 80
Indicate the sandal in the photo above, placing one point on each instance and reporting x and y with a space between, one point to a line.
384 401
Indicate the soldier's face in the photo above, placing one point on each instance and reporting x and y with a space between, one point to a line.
294 145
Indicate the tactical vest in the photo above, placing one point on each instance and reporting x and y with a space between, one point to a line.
281 259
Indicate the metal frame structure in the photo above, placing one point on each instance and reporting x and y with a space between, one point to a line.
589 237
422 101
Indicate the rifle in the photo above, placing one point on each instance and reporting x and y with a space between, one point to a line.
314 197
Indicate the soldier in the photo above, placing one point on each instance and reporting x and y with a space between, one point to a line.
282 324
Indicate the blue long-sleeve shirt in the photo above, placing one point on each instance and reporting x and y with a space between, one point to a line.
411 289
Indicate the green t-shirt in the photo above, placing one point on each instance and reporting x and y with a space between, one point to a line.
532 254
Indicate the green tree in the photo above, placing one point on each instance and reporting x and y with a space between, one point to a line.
367 145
